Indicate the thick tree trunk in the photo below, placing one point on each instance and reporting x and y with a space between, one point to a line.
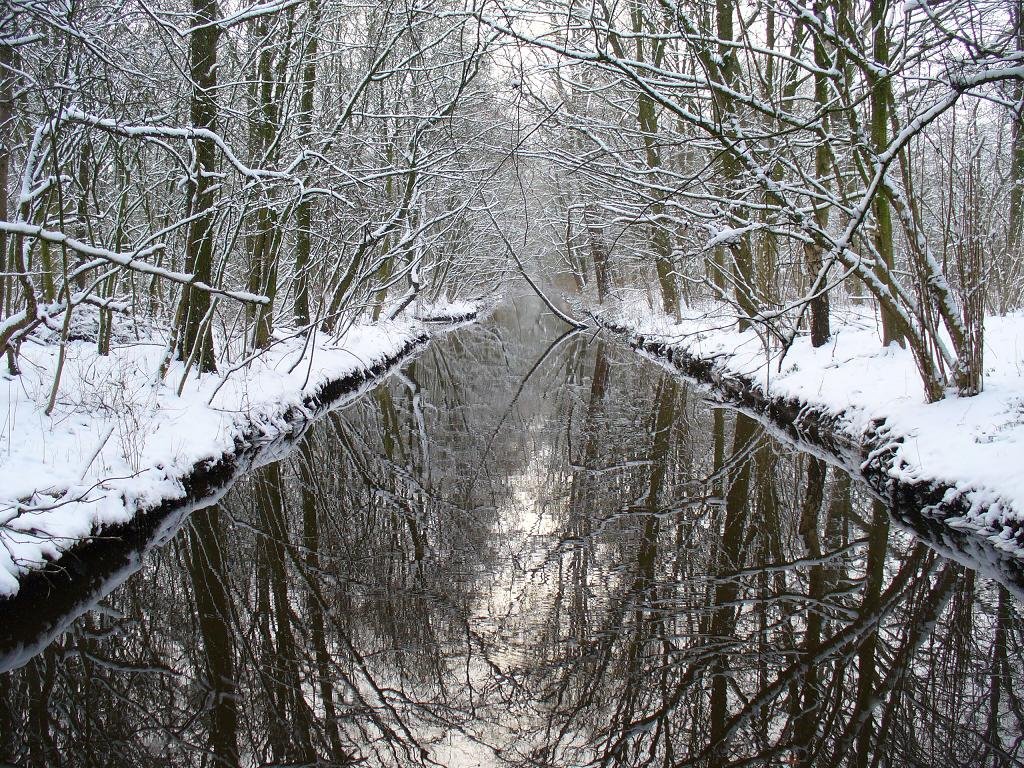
194 327
17 263
303 211
819 301
264 243
6 144
744 279
648 120
1015 225
881 94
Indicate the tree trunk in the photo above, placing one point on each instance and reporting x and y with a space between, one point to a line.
744 279
303 211
819 301
194 327
598 252
648 119
881 93
6 145
1015 224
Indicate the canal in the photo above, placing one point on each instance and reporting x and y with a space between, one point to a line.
526 548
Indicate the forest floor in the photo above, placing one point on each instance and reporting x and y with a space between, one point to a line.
121 439
973 447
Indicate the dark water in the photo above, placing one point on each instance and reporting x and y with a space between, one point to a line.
523 553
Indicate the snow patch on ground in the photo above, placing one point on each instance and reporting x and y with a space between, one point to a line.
974 445
121 438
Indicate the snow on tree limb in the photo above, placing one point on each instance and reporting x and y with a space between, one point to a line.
133 261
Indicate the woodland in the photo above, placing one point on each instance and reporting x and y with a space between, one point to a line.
527 543
212 174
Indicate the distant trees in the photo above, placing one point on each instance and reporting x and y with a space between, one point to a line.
794 146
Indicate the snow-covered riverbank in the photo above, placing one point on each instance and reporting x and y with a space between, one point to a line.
972 447
120 439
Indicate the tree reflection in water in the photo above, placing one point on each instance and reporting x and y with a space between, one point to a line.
531 554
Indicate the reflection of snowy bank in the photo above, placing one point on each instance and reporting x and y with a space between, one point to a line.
965 453
121 439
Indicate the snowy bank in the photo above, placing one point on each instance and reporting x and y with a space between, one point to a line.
122 440
962 455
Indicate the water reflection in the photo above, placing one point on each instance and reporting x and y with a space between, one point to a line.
534 554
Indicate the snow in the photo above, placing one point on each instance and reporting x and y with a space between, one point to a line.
133 261
728 235
121 439
446 311
974 445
